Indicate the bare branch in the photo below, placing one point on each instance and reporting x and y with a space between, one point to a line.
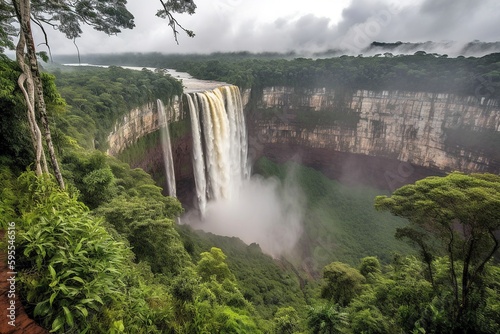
45 36
173 23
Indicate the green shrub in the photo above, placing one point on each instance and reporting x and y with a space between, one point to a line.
70 266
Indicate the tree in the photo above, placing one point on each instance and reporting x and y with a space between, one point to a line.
214 264
108 16
286 321
341 283
457 216
369 265
369 321
326 319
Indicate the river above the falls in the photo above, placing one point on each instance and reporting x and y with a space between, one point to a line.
189 83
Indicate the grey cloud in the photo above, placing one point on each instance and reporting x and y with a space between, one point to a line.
449 7
310 30
441 20
222 26
280 23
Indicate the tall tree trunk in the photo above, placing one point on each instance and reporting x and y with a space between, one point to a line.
23 12
29 96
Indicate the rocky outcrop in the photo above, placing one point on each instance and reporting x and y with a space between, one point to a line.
139 122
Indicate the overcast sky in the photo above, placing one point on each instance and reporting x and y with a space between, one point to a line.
292 25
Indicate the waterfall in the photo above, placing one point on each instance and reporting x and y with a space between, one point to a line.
198 164
167 149
220 144
230 202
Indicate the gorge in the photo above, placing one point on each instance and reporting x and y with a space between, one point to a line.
386 138
382 140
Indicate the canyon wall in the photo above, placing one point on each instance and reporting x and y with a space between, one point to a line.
136 140
381 136
384 138
140 122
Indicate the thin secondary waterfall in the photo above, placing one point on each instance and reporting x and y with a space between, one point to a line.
167 149
220 143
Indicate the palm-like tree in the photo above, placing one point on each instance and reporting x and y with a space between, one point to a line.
326 319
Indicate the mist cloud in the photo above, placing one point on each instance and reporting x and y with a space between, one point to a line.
265 211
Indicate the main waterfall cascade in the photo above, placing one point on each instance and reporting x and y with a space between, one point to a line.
231 202
166 149
220 144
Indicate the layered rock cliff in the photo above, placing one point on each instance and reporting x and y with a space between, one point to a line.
140 122
386 138
408 134
136 140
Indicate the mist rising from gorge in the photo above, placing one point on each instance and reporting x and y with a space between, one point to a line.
265 211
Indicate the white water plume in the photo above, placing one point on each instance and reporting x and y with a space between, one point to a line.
265 212
229 201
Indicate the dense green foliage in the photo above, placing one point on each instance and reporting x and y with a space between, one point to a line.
71 265
267 286
400 298
457 216
98 97
342 283
15 143
419 72
16 148
77 275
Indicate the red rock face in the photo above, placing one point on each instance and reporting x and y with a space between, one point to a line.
23 324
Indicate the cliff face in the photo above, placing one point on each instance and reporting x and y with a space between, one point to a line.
139 122
138 130
384 138
437 131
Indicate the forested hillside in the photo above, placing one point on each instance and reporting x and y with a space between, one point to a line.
105 255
